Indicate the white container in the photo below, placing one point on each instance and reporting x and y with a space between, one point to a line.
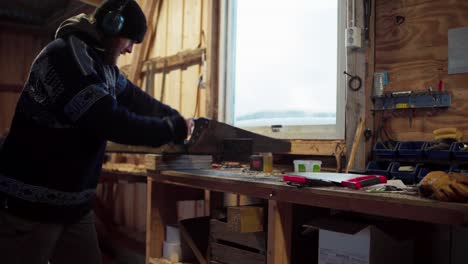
307 165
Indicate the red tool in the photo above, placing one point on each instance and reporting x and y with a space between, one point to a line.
354 181
359 182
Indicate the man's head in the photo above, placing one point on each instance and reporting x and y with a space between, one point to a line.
121 23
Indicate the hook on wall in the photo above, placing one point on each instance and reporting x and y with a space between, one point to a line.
399 20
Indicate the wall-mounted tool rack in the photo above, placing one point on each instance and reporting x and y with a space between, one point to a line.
412 100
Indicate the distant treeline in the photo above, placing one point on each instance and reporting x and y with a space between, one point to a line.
284 114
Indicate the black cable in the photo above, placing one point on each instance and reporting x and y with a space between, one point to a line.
354 79
367 15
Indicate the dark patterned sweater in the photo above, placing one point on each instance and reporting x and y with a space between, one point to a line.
72 103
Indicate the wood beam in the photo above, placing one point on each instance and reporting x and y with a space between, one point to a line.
318 147
356 100
279 232
141 51
370 67
181 59
212 55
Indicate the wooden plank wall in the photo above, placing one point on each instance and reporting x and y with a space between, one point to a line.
17 51
179 28
415 56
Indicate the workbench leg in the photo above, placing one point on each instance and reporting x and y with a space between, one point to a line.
160 210
213 202
279 232
151 221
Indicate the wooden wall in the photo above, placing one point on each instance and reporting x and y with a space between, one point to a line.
17 51
415 55
179 28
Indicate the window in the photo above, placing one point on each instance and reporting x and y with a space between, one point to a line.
283 63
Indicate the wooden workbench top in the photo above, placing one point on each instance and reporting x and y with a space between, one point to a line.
271 187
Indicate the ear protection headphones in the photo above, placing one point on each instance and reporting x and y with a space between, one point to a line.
113 21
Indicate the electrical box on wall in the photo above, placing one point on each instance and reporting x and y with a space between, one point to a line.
353 37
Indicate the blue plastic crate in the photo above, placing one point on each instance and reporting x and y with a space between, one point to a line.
407 177
437 154
459 151
379 168
411 149
385 150
458 167
422 173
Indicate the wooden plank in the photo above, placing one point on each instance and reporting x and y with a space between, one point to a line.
416 57
203 92
180 59
370 69
390 205
174 45
159 50
279 232
152 224
220 231
212 55
190 75
356 142
356 100
318 147
141 51
231 255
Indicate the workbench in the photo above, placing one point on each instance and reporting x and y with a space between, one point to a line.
164 188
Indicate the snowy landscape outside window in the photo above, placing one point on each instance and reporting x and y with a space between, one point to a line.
283 64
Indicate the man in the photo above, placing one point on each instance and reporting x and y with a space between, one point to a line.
73 101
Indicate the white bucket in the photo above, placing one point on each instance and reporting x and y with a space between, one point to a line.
307 165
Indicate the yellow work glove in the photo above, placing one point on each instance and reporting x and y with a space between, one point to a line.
460 185
442 186
448 133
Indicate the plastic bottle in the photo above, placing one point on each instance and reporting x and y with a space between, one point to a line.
267 161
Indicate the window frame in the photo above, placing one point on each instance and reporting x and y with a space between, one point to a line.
226 91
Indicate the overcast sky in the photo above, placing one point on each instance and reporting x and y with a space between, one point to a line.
286 55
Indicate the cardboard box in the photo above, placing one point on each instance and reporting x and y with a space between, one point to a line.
353 242
245 219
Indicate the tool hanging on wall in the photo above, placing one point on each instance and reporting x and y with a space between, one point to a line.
357 139
354 83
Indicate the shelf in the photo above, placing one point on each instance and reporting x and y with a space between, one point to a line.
412 100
